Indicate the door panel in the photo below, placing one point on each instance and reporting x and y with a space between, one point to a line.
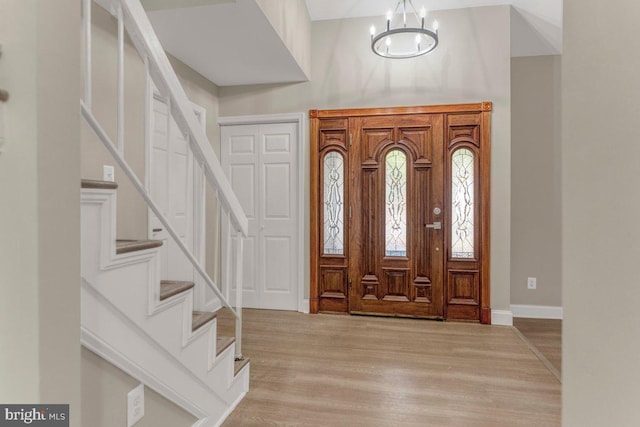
240 157
261 161
278 200
333 216
171 185
398 184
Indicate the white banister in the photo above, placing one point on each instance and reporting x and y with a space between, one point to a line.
238 280
86 30
106 141
148 45
120 80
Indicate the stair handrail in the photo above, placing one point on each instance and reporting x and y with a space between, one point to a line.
132 16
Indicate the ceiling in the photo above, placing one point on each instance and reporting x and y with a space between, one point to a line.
253 53
230 42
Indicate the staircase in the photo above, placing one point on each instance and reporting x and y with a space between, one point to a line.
144 325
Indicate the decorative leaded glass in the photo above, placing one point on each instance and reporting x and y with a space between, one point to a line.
462 200
333 204
396 204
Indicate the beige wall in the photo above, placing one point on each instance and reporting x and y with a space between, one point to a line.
290 18
601 201
39 208
19 281
132 211
471 64
104 398
535 180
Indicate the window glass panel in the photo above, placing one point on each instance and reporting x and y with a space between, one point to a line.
396 204
462 199
333 204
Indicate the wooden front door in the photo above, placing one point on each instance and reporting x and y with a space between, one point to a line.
397 186
400 211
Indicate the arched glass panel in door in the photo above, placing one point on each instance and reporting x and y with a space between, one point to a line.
333 204
463 204
396 204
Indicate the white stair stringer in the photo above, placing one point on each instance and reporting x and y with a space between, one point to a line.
124 321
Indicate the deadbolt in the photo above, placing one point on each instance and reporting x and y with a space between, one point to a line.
437 211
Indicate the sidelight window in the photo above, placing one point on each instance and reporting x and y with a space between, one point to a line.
463 203
396 204
333 204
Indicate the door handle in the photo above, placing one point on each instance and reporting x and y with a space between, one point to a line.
157 230
436 225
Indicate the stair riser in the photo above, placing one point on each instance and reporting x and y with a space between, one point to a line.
131 282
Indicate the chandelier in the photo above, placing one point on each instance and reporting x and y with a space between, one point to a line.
405 40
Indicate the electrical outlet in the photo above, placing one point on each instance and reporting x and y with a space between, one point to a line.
135 405
108 173
531 283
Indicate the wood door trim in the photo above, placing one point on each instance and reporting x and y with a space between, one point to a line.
314 192
479 107
485 225
483 109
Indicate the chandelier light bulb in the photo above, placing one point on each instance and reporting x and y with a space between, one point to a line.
435 25
423 12
389 15
372 30
388 42
418 39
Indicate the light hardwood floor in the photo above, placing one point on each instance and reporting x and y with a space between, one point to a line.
329 370
545 335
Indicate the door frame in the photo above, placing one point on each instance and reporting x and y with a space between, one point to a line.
482 111
301 121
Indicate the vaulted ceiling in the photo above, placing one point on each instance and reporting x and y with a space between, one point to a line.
232 42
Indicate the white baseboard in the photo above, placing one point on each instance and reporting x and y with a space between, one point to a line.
502 317
536 311
304 306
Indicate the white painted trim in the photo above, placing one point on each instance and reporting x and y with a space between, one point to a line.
304 306
537 311
262 119
501 317
231 408
302 121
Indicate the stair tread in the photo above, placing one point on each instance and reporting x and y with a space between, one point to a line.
200 318
222 343
239 364
96 184
124 246
169 288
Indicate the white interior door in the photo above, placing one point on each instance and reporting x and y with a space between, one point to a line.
172 183
261 162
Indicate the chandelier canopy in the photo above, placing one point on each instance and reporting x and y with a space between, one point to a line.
409 38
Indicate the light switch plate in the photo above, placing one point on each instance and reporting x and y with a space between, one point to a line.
135 405
108 173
